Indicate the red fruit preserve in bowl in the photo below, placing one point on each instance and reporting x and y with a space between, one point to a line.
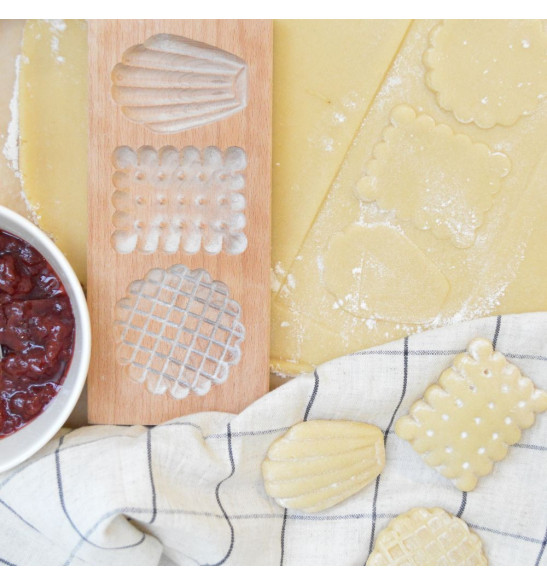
37 328
45 339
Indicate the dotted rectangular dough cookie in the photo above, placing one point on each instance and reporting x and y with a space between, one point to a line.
467 420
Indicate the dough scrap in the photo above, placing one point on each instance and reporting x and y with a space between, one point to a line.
488 74
426 538
466 421
318 464
440 180
377 272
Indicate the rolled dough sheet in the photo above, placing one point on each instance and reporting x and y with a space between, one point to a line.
326 73
10 184
53 132
450 175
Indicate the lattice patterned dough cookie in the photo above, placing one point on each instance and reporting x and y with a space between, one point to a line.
466 422
426 538
318 464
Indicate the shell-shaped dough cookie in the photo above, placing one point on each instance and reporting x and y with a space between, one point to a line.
171 83
318 464
425 538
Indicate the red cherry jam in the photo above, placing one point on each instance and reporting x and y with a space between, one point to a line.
36 333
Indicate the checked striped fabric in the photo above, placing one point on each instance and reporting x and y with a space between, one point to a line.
190 490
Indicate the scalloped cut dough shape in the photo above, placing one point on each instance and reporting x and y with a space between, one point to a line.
467 420
355 257
488 74
440 180
493 263
425 537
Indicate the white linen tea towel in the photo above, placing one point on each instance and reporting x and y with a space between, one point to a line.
191 489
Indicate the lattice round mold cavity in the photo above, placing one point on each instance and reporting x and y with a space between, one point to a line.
177 330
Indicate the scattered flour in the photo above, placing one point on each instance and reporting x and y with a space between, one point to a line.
291 281
10 149
57 27
11 146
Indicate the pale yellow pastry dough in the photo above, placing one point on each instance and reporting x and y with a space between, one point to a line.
336 85
318 464
437 179
484 223
354 259
425 537
10 185
326 73
467 421
490 73
53 132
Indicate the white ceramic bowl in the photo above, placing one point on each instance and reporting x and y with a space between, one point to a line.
25 442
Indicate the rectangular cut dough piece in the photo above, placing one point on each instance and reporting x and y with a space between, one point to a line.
53 125
495 268
468 419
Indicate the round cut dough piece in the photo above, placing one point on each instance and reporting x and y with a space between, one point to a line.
425 538
491 74
318 464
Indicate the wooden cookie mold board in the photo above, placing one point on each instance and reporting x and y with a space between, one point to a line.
179 208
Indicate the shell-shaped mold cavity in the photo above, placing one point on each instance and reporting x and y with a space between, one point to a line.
171 83
178 331
425 537
318 464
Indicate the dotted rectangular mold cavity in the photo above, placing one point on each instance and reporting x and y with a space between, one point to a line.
175 200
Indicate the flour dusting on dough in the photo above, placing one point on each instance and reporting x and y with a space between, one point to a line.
11 146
